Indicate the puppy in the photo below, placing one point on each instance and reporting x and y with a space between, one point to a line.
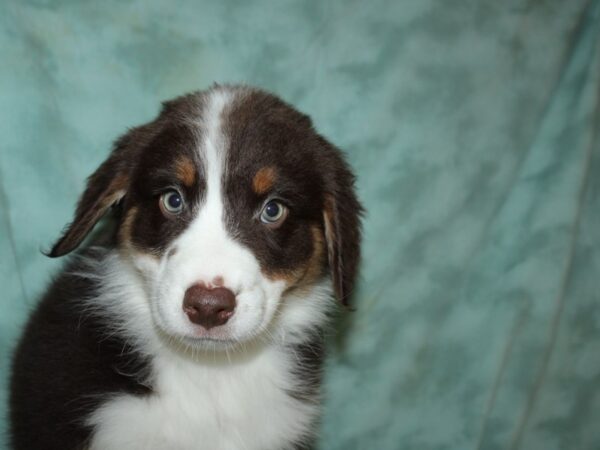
196 322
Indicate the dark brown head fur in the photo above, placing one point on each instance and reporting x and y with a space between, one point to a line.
273 153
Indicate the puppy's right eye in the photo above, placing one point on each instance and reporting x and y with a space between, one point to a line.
171 203
273 214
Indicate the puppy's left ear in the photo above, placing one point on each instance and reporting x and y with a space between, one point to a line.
342 219
105 187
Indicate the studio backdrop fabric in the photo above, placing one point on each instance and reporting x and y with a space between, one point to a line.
473 128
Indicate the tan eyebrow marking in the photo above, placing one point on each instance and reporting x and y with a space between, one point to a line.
186 170
264 179
308 272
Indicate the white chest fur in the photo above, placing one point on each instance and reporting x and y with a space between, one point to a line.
219 405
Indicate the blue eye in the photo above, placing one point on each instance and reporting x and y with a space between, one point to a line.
273 213
171 202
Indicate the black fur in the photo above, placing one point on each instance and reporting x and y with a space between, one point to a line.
68 362
64 366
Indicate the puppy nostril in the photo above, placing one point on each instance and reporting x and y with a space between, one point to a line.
209 307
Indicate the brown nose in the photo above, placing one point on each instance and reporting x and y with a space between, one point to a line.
209 307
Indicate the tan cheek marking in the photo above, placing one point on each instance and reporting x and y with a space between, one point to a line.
314 268
124 234
264 180
186 171
290 277
310 272
126 226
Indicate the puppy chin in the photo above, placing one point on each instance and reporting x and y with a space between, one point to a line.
209 342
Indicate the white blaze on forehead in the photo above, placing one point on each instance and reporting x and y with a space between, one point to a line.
206 250
207 231
214 144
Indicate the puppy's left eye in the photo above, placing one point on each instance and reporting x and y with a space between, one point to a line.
171 203
273 214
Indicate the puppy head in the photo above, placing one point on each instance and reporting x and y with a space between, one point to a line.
231 203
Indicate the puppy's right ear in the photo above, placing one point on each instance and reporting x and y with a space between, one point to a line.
105 187
342 224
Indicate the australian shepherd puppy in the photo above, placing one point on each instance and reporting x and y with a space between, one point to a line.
197 323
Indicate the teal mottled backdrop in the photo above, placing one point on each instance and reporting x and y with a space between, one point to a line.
473 128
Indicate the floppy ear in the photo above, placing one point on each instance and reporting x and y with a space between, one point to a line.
341 216
105 187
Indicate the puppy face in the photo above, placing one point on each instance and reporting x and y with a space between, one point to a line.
230 203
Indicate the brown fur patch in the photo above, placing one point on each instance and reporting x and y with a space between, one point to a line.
125 239
310 272
264 180
113 193
92 205
186 171
314 268
126 226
